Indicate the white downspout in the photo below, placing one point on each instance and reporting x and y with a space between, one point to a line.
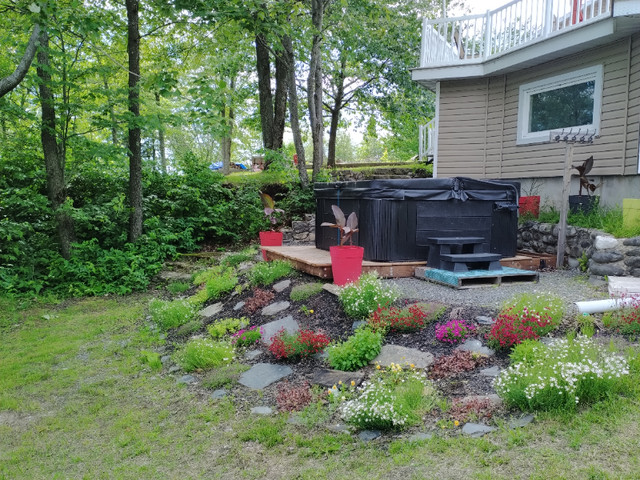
599 306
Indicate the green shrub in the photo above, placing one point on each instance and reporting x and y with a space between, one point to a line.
562 375
172 314
265 273
203 353
361 299
357 351
188 328
198 298
223 376
152 359
234 259
178 287
223 283
547 303
247 337
204 276
302 292
227 326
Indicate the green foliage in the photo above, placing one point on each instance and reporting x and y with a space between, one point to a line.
178 287
168 315
602 218
187 329
222 283
266 431
562 375
224 376
203 353
302 292
152 359
361 299
357 351
625 320
265 273
234 259
226 326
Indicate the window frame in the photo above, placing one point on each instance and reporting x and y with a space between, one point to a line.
527 90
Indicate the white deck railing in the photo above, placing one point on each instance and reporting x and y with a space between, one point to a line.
427 137
476 38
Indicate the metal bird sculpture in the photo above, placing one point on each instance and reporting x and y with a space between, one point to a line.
583 171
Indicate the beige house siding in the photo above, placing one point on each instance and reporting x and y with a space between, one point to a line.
478 120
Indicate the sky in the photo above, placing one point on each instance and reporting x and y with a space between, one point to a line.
481 6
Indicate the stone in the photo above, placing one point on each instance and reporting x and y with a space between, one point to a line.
165 359
520 422
634 252
484 320
605 269
607 257
252 354
475 346
322 356
187 379
327 378
275 308
493 399
368 435
635 272
238 306
174 369
633 262
262 410
295 419
605 242
403 356
218 394
476 430
332 288
262 375
175 276
310 218
597 282
456 313
282 286
632 242
211 310
357 324
419 437
545 228
338 428
490 372
269 330
573 263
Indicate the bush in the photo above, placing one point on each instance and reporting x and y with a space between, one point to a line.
202 353
392 399
407 319
170 315
454 331
561 375
300 344
234 259
626 320
226 326
299 293
223 283
359 300
357 351
247 338
265 273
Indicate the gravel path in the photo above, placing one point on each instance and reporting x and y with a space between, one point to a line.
570 285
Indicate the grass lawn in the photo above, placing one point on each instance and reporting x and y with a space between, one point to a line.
77 401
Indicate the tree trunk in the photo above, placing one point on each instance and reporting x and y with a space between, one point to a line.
293 110
53 158
263 67
11 81
135 156
314 88
280 105
335 113
163 153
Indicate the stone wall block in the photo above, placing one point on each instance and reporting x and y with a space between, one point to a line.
632 242
633 252
633 262
607 256
606 269
635 272
605 242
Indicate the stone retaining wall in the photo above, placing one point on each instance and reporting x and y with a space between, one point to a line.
301 231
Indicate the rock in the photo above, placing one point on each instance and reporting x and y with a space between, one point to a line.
282 286
456 313
187 379
211 310
262 375
252 354
475 346
635 272
218 394
328 378
573 263
238 306
634 252
331 288
490 372
633 262
545 228
338 428
275 308
403 356
632 242
520 422
269 330
357 324
295 419
607 257
476 430
368 435
484 320
175 276
605 269
605 242
174 369
262 410
493 399
165 359
419 437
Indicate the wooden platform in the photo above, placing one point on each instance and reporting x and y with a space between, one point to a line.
476 278
316 262
530 261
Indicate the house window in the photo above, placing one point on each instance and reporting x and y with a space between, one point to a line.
568 101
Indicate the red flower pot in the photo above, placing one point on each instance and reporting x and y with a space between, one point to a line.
530 204
346 263
270 239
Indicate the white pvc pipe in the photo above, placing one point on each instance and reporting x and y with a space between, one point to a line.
599 306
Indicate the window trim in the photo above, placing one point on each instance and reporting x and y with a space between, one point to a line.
527 90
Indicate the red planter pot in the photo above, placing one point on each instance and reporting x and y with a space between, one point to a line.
346 263
270 239
530 204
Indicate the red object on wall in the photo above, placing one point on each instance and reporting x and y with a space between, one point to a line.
346 263
270 239
530 204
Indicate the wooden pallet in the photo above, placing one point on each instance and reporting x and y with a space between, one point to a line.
476 278
530 261
316 262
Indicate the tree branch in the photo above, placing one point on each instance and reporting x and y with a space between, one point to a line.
11 81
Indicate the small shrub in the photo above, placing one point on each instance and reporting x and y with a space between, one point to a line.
300 293
300 344
226 326
203 353
221 284
458 362
561 375
152 359
626 320
178 287
361 299
170 315
293 398
225 375
246 338
395 319
357 351
394 398
548 304
261 298
188 328
203 277
266 273
199 297
454 331
234 259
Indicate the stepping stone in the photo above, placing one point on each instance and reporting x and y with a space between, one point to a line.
475 346
269 330
187 379
476 430
332 288
493 399
403 356
218 394
238 306
357 324
520 422
165 359
323 355
252 354
262 410
338 428
262 375
329 378
282 286
211 310
174 368
490 372
294 419
368 435
484 320
275 308
419 437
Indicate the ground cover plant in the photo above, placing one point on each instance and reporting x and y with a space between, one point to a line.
457 362
395 319
625 320
261 298
299 293
454 331
171 314
246 337
362 298
203 353
266 273
357 351
226 326
299 344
